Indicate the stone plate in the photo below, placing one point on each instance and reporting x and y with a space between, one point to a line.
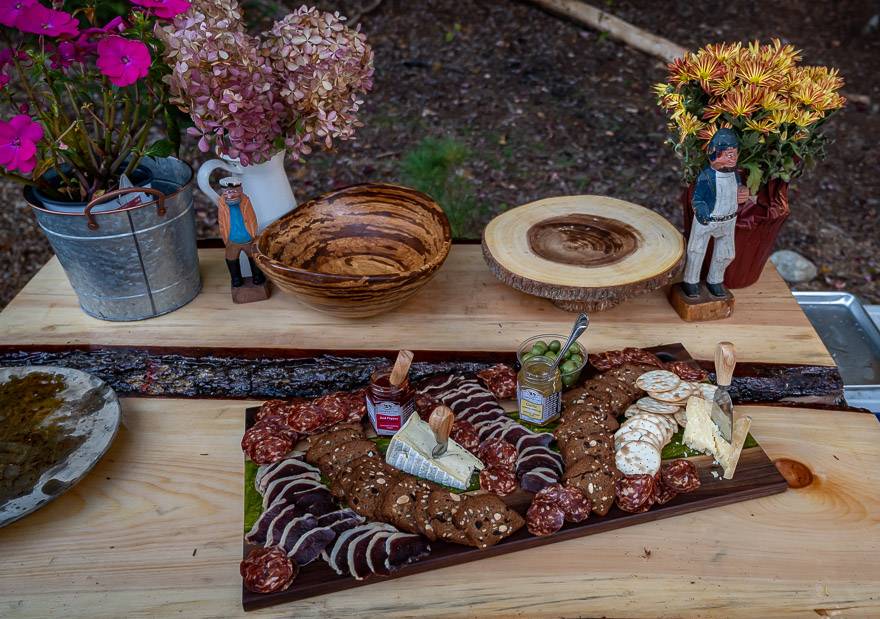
91 409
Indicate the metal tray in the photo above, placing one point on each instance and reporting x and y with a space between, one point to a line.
852 338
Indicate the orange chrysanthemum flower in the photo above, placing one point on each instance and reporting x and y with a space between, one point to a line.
678 72
704 68
741 102
763 126
757 73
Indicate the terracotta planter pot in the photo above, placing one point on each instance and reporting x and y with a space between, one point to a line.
757 227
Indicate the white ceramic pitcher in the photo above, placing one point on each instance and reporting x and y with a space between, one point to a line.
265 183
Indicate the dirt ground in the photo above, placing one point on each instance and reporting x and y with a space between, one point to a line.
545 107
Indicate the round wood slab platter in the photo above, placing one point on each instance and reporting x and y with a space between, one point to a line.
585 253
89 409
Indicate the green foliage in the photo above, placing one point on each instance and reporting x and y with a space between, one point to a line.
434 167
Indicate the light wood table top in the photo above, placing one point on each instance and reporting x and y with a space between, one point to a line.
155 531
463 308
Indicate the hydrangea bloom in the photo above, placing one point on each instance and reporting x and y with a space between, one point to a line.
37 19
18 143
123 60
301 84
164 9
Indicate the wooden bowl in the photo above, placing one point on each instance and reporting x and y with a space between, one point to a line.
584 253
358 251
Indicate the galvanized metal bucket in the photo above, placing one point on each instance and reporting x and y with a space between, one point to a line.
134 262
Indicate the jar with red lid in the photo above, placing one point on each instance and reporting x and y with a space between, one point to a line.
389 406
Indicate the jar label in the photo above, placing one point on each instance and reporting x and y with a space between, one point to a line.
388 417
537 408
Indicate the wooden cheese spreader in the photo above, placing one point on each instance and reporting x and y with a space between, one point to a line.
441 421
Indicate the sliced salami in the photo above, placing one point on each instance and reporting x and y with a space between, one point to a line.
498 480
574 503
686 371
497 452
662 493
544 518
465 435
551 494
267 570
305 418
635 493
680 475
500 379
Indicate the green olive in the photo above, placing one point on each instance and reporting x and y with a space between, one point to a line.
568 367
555 345
550 355
575 350
577 360
568 379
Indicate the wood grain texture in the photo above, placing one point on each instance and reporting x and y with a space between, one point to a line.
358 251
155 530
463 308
703 308
585 253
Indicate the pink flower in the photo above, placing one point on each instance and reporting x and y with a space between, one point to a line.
18 143
39 20
124 61
4 79
164 9
65 55
11 10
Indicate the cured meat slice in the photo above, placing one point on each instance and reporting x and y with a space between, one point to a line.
337 557
635 493
465 435
575 504
317 502
257 534
404 548
500 379
285 468
267 441
496 452
532 440
358 565
310 545
498 480
275 530
287 487
267 570
662 493
338 515
377 554
550 460
544 518
538 479
287 535
680 475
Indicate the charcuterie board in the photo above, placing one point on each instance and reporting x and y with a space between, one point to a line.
756 476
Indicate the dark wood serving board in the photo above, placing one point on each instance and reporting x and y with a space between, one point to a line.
756 476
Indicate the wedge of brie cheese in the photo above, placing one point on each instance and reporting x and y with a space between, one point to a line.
410 451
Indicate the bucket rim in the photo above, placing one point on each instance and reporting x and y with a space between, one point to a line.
33 201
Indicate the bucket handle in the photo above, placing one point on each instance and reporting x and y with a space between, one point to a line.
93 224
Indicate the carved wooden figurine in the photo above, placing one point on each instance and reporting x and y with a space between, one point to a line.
238 228
717 197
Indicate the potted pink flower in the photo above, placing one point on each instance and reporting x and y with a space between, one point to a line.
87 127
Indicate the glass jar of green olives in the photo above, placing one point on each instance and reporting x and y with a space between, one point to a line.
549 345
539 390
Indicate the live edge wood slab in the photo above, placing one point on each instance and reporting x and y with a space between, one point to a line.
155 531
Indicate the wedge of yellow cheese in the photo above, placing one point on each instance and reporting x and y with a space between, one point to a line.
702 434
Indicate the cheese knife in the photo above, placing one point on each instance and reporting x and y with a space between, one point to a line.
441 421
722 411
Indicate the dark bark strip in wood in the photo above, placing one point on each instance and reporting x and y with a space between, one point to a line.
231 373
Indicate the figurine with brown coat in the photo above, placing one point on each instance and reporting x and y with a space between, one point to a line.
238 229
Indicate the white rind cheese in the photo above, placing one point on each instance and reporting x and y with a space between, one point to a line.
410 451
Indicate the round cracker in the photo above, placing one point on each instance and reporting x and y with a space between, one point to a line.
658 380
642 423
666 420
632 411
681 418
631 435
674 396
650 405
637 458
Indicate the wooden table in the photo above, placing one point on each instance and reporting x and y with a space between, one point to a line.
155 529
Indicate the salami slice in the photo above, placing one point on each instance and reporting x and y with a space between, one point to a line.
635 493
686 371
305 418
601 361
497 452
465 435
637 355
267 570
574 503
498 480
263 444
662 493
680 475
550 494
272 409
544 518
500 379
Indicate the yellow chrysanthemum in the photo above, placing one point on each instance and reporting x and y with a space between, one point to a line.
783 115
740 102
678 71
704 68
688 124
712 112
757 73
724 52
723 83
805 118
769 100
706 133
809 93
764 126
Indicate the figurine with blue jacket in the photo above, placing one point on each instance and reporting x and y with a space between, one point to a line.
717 197
238 229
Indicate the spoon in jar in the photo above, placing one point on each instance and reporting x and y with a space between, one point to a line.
580 325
